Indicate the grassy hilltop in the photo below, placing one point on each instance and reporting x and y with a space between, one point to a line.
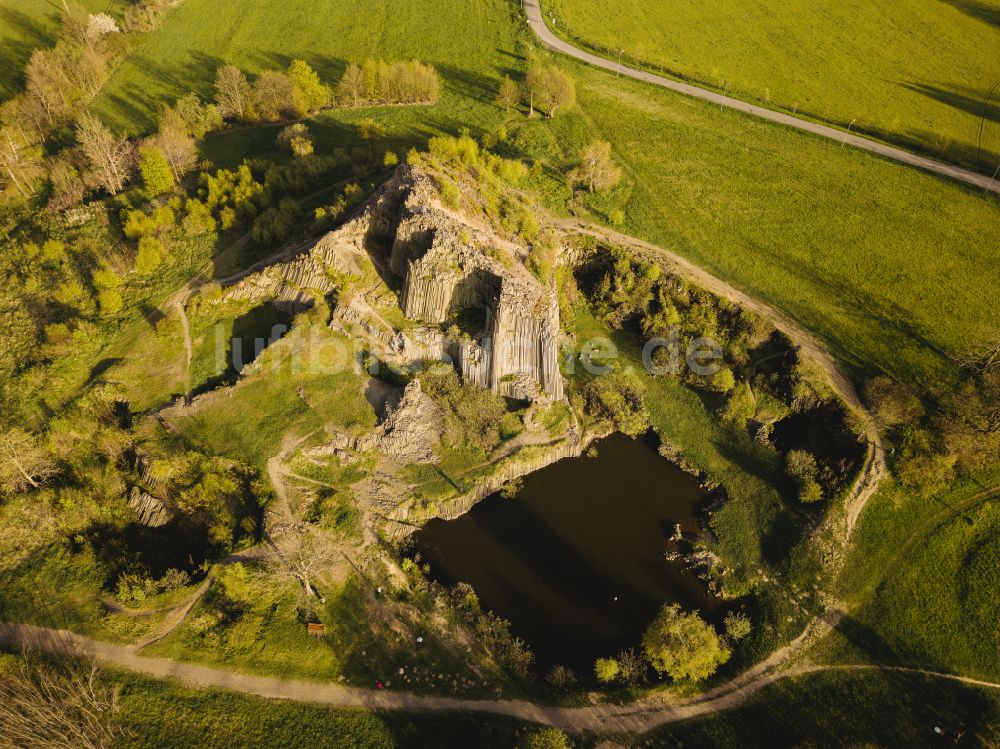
915 71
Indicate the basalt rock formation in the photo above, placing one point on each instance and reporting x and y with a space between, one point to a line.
444 264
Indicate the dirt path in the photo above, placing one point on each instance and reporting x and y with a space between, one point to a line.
549 39
180 305
604 718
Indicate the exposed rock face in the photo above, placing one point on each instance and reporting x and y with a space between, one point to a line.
149 509
410 431
443 262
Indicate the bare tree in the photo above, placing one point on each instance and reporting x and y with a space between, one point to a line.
273 95
19 161
176 144
509 94
45 707
596 169
301 554
549 88
111 157
351 87
233 93
24 463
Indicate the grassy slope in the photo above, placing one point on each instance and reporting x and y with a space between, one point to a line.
923 581
891 266
26 24
915 70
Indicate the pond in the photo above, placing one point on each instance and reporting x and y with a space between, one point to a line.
576 560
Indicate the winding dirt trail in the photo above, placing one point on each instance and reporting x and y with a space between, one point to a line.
549 39
605 718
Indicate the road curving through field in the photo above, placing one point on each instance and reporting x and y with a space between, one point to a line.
549 39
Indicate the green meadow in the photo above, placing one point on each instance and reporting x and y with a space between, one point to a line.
915 72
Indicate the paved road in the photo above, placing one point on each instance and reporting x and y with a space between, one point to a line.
896 154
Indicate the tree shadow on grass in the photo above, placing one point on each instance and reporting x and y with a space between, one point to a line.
987 13
22 34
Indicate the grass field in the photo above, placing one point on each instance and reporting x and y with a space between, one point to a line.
923 581
893 267
471 45
913 71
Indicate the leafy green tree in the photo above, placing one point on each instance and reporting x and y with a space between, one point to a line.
891 403
606 670
199 118
739 407
683 646
370 131
155 170
801 467
297 139
149 257
737 626
309 94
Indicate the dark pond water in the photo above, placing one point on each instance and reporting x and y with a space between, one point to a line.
576 561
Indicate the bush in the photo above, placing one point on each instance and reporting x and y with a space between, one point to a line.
619 398
737 626
150 256
155 171
606 670
802 469
473 415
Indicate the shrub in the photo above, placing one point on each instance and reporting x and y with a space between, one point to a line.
737 626
155 170
802 469
619 398
149 257
606 670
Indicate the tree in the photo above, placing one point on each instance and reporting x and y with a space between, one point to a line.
297 139
561 678
149 257
300 555
737 626
891 403
24 463
549 88
176 145
50 707
606 670
198 118
683 646
155 170
309 94
272 96
802 469
351 88
233 93
619 398
20 161
970 419
110 157
370 131
509 94
596 170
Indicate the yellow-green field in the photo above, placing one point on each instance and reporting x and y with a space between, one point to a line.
912 71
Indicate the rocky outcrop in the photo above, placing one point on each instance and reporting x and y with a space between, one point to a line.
148 509
445 265
410 431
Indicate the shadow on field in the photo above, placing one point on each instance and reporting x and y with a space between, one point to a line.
23 35
977 9
965 99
